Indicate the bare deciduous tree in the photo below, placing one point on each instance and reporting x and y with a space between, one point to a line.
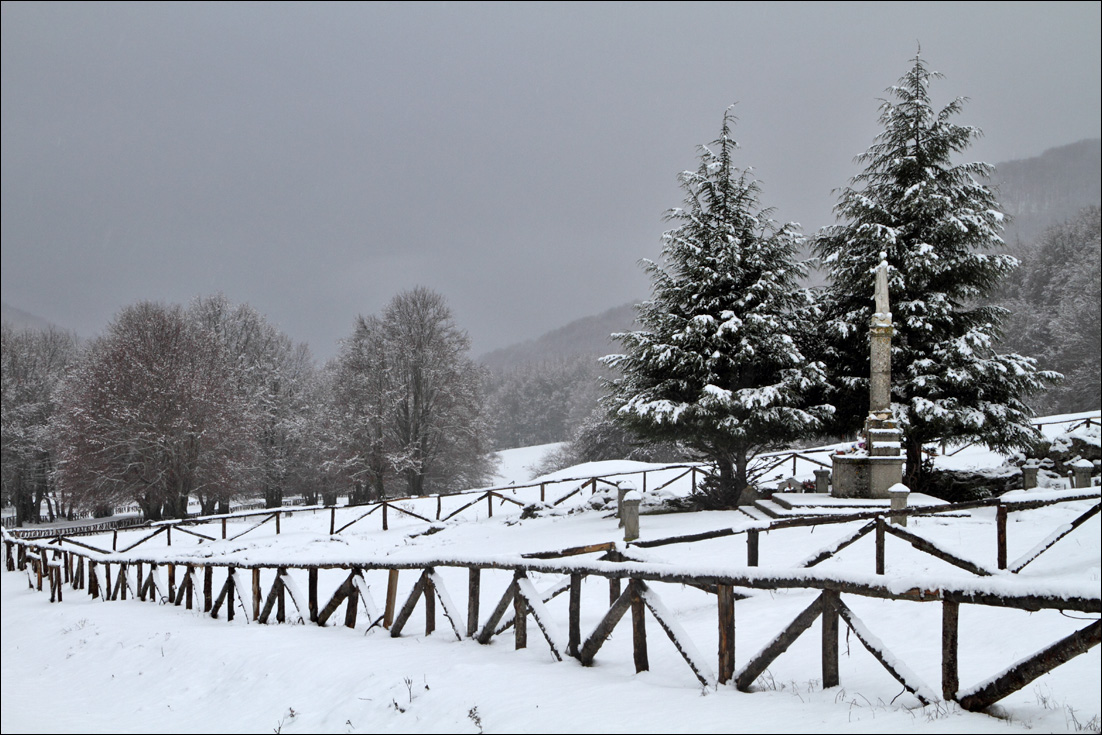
410 401
151 415
34 362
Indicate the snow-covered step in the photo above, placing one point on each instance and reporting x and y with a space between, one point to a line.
754 513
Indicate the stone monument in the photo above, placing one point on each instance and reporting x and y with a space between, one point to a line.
870 472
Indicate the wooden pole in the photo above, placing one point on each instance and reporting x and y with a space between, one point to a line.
950 679
638 628
277 522
520 617
1025 671
230 590
385 506
430 603
880 545
752 547
726 595
490 504
830 639
208 591
1000 534
312 583
575 635
223 528
256 593
333 519
391 595
474 593
353 605
281 599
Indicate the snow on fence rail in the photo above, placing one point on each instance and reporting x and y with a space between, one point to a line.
192 583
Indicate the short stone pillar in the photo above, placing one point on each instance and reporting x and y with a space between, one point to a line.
898 493
1081 472
622 489
1029 475
822 481
630 514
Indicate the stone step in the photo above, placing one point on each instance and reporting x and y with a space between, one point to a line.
768 509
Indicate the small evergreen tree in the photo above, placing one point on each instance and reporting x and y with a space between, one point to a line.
940 227
717 366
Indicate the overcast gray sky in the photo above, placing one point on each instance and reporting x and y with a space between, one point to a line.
314 160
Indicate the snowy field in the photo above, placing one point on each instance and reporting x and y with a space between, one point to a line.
91 666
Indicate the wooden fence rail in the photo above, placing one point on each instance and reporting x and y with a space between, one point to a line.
241 589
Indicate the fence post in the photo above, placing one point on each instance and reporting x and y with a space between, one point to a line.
950 680
575 627
208 584
726 595
520 616
830 639
1000 534
752 547
880 545
256 593
391 598
312 582
474 594
638 627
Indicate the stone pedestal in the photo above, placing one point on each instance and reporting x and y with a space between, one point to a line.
1081 470
898 494
630 514
870 474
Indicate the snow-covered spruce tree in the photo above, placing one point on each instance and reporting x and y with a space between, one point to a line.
940 228
717 366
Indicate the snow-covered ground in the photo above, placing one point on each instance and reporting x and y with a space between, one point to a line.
91 666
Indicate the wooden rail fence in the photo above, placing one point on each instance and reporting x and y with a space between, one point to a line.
224 587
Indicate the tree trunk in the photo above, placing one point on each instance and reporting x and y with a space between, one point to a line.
273 496
915 474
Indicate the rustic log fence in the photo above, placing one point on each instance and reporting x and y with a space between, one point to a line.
878 523
109 577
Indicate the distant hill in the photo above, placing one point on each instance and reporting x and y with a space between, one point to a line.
1036 192
586 336
21 319
1048 189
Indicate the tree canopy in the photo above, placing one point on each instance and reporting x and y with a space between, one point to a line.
939 227
718 365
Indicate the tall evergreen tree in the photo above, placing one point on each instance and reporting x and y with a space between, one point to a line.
940 228
717 365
